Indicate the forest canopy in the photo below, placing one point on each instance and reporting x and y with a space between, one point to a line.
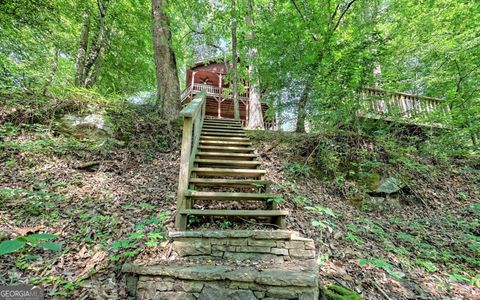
311 58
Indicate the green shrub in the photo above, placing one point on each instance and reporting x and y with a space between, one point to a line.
336 292
297 169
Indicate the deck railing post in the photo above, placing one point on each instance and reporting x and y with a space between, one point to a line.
184 170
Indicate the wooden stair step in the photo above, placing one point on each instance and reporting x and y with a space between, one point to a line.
229 163
222 121
229 129
218 133
223 130
226 155
239 213
228 182
228 143
228 172
231 126
225 149
224 196
224 138
234 127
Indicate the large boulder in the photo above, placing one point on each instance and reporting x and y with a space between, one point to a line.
91 126
390 185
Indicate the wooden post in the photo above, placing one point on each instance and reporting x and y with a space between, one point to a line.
247 107
193 78
193 115
181 220
219 109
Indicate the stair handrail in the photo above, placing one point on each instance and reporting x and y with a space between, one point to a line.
193 116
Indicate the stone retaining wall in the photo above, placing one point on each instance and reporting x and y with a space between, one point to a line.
218 282
209 265
243 244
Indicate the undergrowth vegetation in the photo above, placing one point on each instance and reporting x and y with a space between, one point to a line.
136 125
381 205
74 208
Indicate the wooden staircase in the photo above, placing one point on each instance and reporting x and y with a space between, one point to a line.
219 171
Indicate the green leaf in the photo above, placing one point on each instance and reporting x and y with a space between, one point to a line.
328 211
151 244
43 236
362 262
320 224
115 257
276 200
10 246
50 246
137 235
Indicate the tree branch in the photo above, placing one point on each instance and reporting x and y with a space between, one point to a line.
303 19
332 17
343 14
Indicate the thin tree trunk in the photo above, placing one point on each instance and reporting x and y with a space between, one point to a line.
94 72
377 74
255 114
279 115
474 139
98 42
53 71
168 87
236 105
82 50
301 112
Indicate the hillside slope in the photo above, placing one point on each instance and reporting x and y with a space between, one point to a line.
421 242
106 203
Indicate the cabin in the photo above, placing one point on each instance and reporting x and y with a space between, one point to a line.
211 78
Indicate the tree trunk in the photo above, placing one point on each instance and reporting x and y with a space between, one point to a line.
82 50
94 72
279 113
53 71
301 112
377 74
236 105
98 42
168 87
87 58
255 114
474 137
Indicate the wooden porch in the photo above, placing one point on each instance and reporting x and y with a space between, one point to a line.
219 103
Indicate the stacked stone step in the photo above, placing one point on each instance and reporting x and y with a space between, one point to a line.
279 245
230 264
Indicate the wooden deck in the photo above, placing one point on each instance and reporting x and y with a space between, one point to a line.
219 103
402 107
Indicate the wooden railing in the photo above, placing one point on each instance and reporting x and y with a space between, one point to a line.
379 103
186 93
193 116
210 90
